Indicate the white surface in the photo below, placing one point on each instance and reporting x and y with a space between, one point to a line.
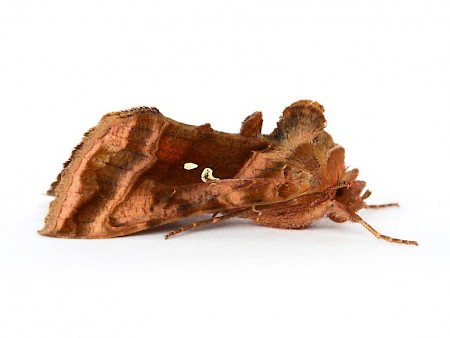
380 68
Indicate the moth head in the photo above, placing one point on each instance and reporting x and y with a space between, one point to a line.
351 194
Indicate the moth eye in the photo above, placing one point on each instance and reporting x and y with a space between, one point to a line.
339 193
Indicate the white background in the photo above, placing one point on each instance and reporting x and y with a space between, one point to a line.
380 68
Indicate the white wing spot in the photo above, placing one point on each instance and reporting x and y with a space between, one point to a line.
207 175
190 166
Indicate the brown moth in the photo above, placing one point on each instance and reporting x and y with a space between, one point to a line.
138 169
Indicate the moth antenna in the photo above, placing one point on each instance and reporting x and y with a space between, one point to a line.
212 220
374 232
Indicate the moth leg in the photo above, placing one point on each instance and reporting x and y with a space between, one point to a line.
339 211
256 211
379 206
192 226
366 194
213 219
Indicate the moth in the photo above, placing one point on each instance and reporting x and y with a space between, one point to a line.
138 169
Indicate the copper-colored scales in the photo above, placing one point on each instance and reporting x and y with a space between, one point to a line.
138 169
